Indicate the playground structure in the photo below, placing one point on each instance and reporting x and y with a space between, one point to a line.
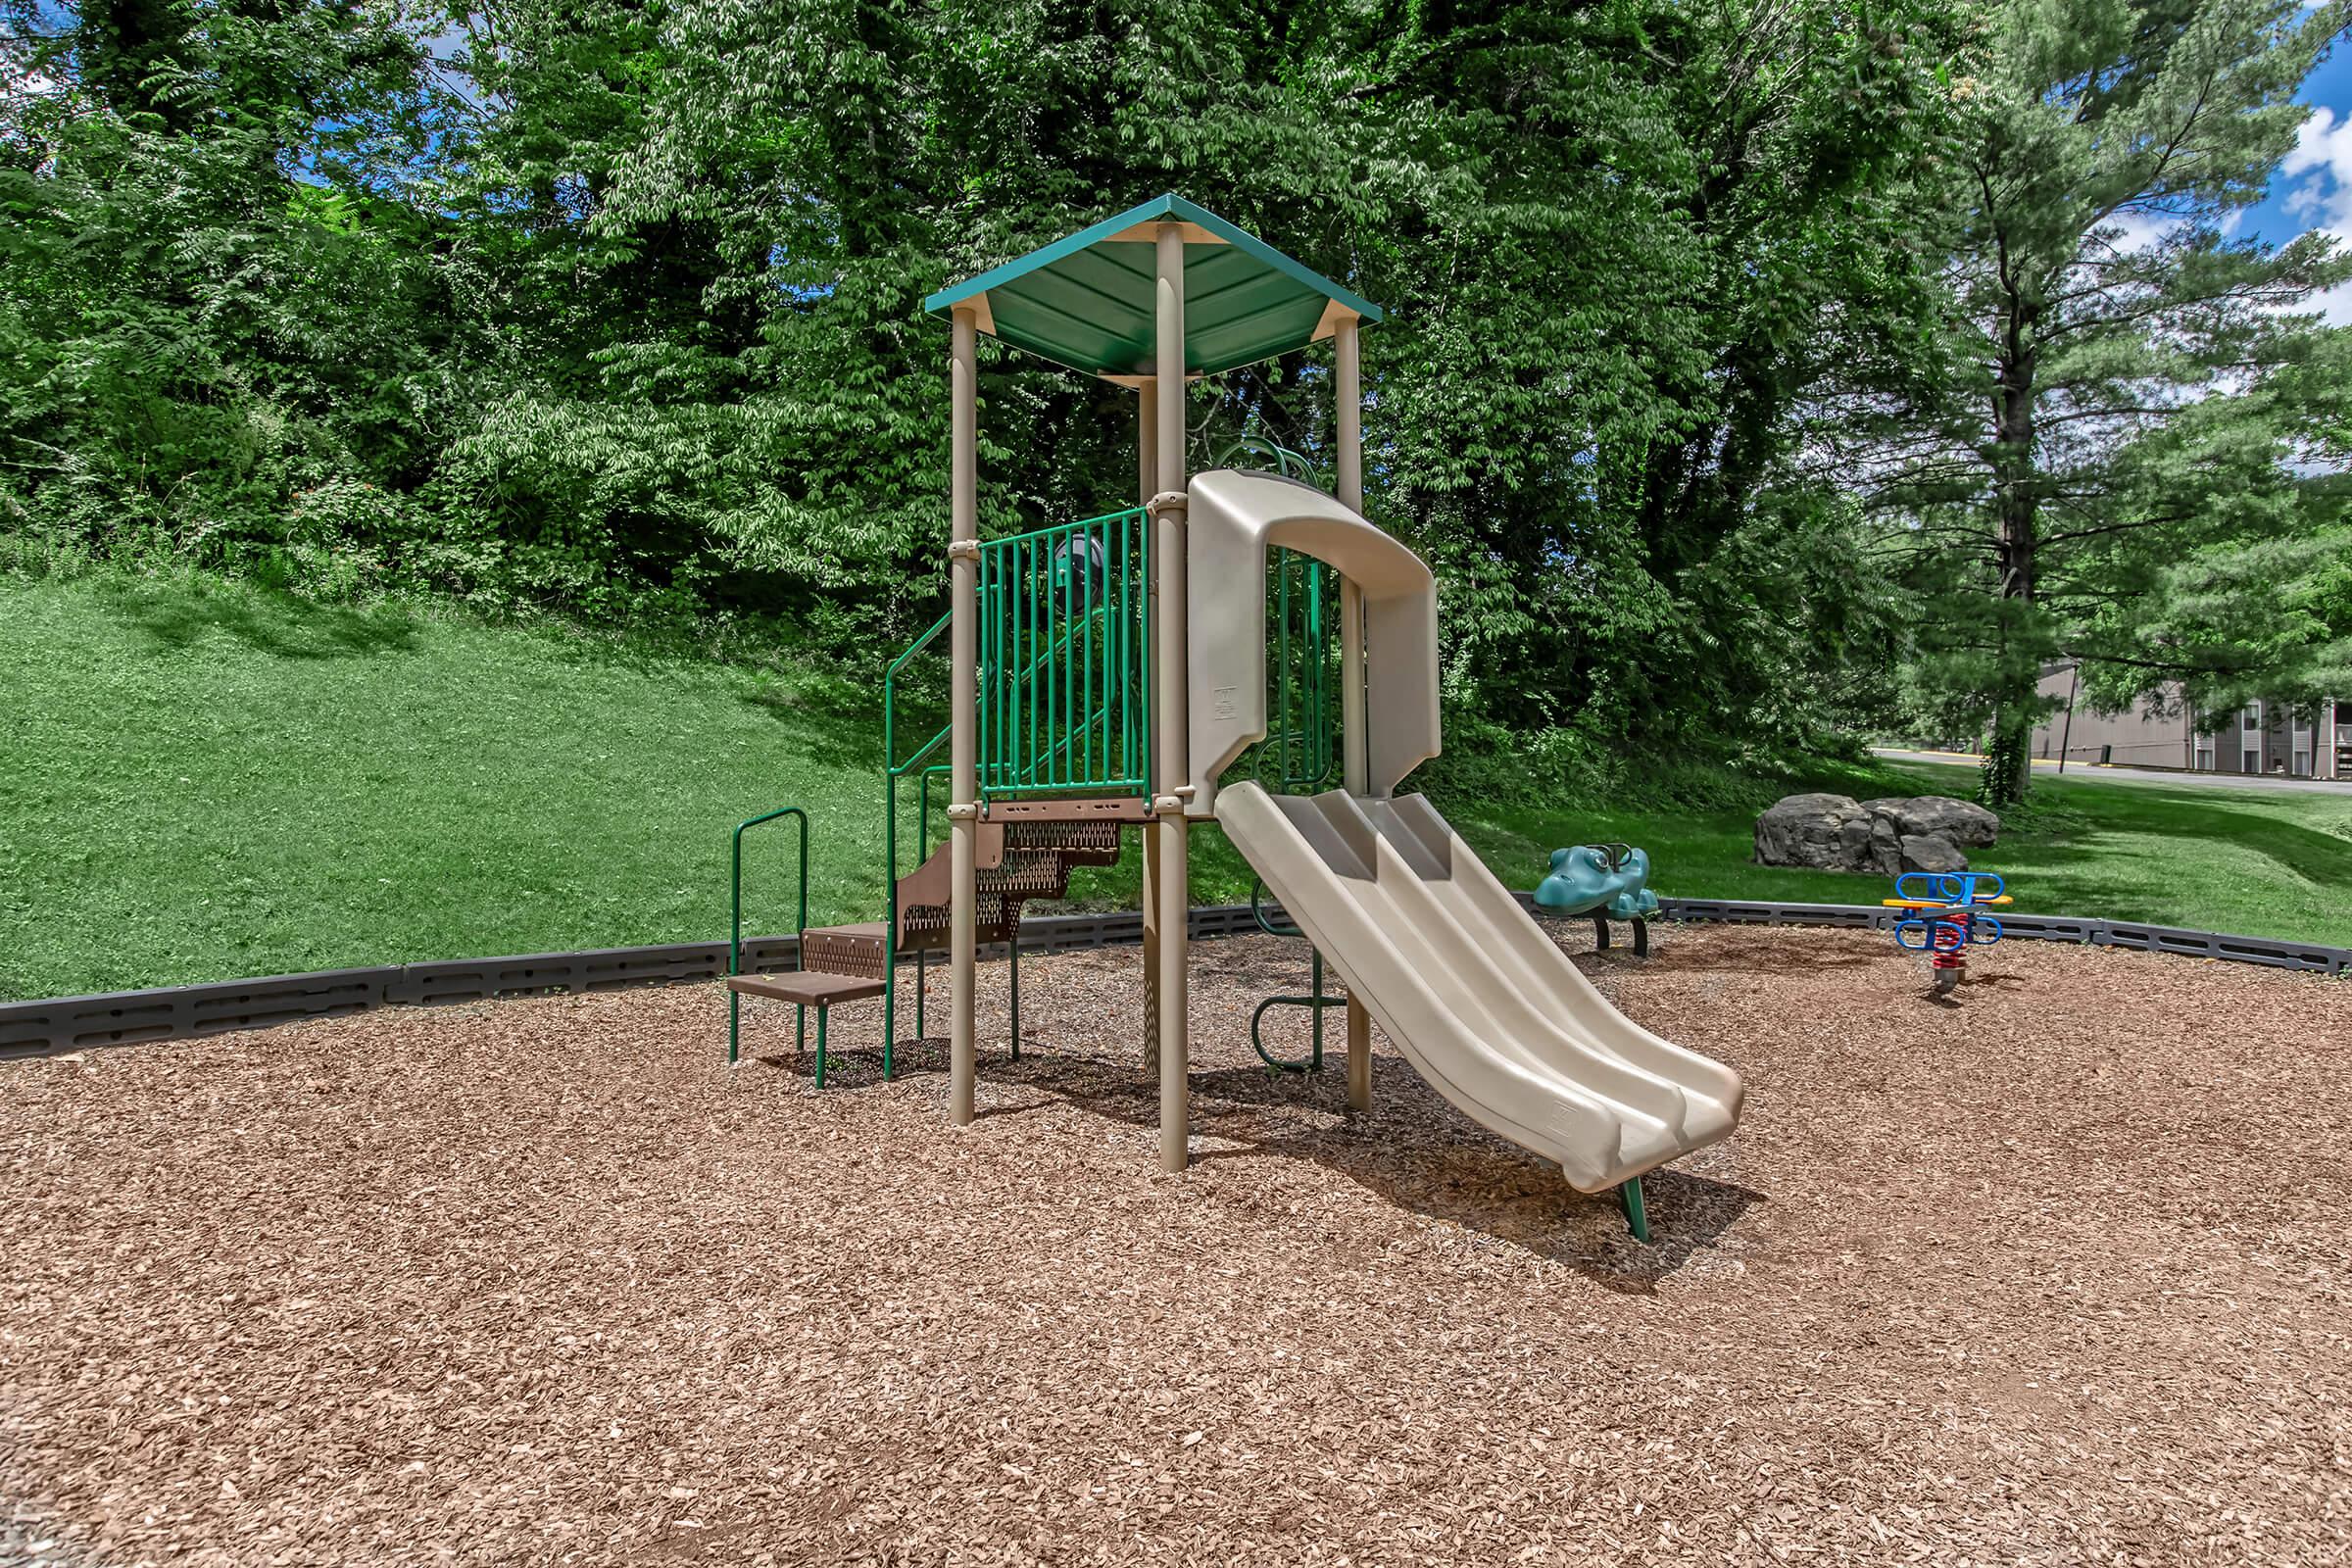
1224 651
1606 881
1948 918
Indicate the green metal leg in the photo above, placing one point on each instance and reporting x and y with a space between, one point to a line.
1317 1013
734 1023
1637 1217
921 974
890 1011
800 1029
821 1014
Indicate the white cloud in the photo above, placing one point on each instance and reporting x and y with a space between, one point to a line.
2132 230
2322 166
2322 160
2333 304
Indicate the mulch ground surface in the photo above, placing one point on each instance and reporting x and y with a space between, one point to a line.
2054 1276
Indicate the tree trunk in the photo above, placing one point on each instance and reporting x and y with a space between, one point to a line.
2009 756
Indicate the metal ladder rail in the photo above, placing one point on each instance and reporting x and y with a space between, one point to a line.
735 934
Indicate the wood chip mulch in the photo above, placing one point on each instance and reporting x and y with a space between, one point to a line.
2055 1276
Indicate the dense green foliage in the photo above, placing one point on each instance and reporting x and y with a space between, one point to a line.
613 308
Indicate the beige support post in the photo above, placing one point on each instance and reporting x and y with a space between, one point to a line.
963 775
1168 584
1347 392
1355 764
1147 485
1347 376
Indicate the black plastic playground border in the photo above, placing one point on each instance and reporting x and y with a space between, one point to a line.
2272 952
187 1013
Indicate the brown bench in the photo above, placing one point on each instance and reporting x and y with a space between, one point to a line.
805 989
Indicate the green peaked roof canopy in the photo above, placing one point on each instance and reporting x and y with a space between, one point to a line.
1087 300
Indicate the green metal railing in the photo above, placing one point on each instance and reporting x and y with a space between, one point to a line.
1064 701
896 771
735 935
1290 464
1316 1002
1301 752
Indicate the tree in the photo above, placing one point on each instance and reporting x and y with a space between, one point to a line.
2110 405
634 319
2253 599
214 300
1637 241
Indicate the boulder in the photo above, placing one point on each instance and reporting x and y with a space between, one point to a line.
1829 832
1967 824
1931 851
1885 837
1885 856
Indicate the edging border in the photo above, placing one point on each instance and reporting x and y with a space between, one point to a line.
2271 952
188 1012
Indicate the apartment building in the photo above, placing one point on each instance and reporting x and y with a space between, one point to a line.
2263 737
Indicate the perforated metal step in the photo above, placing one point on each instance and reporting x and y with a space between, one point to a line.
1037 856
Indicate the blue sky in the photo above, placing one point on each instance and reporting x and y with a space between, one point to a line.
2313 188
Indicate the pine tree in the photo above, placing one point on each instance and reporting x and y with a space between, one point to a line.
2104 412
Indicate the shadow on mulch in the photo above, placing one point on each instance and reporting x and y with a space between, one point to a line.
1419 1153
1764 955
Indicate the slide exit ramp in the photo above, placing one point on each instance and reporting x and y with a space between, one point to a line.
1476 996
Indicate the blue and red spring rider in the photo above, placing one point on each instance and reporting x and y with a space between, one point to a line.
1948 918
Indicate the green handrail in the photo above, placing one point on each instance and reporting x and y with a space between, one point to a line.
1315 1004
895 769
1063 704
735 932
890 711
1283 458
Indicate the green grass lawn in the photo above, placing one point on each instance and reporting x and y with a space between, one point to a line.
206 782
2211 857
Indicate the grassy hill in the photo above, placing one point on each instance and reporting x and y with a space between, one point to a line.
204 780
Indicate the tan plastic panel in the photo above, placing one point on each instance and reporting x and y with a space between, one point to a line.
1481 1002
1232 520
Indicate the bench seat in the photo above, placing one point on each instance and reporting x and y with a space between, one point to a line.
808 988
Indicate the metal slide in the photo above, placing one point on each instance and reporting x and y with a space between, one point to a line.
1479 1000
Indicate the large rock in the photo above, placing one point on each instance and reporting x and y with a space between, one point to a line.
1931 852
1884 837
1830 832
1964 823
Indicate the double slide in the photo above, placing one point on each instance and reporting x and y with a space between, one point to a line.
1481 1002
1472 991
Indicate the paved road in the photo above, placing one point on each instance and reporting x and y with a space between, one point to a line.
2093 773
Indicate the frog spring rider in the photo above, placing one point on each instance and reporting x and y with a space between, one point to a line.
1606 881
